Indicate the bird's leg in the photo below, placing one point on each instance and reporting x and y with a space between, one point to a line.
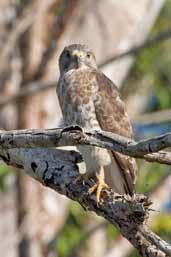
100 184
80 177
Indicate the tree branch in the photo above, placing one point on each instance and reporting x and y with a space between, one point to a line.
146 149
58 169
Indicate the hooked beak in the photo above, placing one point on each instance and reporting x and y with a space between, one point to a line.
77 57
77 54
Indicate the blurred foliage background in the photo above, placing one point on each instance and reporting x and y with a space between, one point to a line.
152 67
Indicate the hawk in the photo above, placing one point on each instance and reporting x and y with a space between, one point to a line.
89 99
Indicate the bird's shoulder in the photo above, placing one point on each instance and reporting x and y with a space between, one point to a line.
105 83
110 109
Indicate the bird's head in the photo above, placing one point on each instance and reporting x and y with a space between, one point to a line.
76 56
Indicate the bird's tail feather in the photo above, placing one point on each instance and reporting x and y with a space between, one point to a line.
120 174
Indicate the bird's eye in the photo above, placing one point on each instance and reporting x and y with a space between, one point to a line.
68 54
88 55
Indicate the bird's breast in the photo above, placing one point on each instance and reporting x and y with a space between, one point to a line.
76 92
94 158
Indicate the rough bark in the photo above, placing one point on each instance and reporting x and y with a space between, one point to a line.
121 247
58 170
148 149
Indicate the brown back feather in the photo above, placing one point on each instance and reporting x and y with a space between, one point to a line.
111 115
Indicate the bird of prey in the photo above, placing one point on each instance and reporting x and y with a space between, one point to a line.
89 99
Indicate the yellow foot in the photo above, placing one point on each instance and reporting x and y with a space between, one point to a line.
98 187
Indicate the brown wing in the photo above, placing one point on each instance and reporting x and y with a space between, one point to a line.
112 117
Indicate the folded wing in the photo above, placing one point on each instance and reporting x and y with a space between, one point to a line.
112 117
